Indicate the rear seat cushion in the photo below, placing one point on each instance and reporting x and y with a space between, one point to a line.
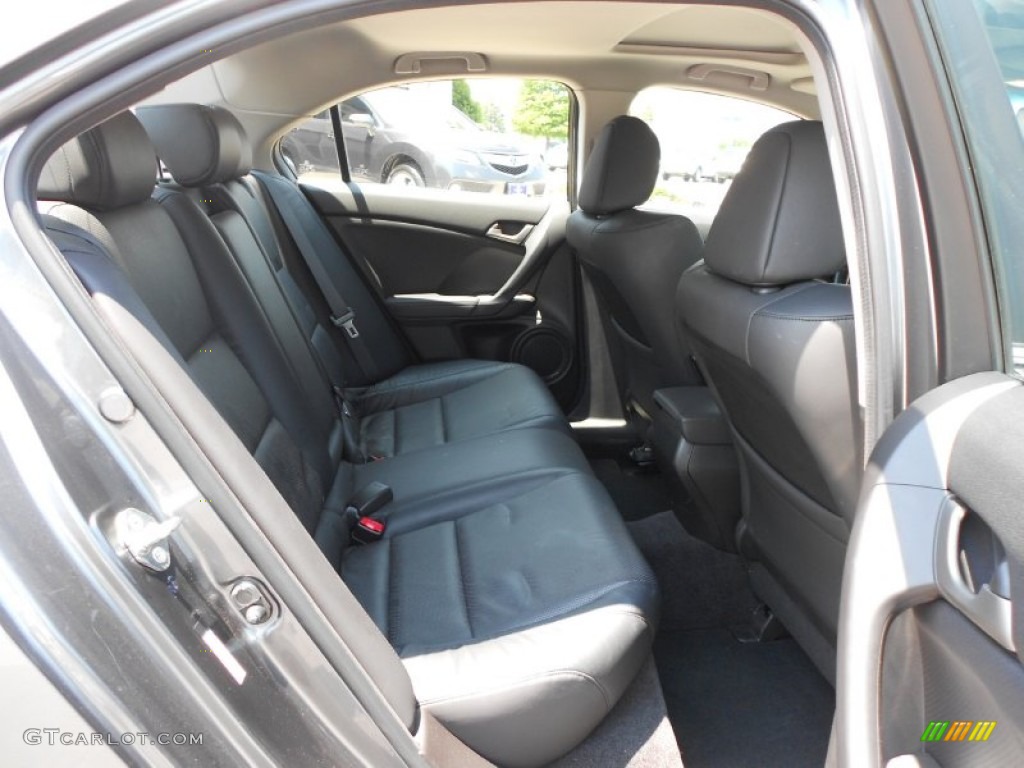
522 622
451 480
435 403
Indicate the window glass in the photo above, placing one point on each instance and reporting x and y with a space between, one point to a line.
489 136
982 44
704 141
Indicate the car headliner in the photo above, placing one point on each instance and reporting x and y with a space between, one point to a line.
616 50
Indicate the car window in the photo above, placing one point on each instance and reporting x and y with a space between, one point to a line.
982 45
490 136
704 141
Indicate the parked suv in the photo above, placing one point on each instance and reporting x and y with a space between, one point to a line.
390 140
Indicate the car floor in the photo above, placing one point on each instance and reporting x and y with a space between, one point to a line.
637 491
731 704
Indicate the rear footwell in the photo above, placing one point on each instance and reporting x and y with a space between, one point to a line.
731 704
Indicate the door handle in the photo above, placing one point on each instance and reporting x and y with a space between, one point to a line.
510 231
990 612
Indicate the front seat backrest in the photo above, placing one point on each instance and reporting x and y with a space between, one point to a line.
774 336
634 259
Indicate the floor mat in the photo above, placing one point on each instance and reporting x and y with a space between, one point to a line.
731 704
637 492
701 587
738 704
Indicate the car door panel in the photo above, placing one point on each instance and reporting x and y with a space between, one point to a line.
930 632
468 275
466 212
940 668
416 258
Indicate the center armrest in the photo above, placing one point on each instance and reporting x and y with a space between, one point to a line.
427 306
696 413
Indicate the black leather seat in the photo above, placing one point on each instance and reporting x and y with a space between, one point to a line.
406 406
505 579
634 259
775 340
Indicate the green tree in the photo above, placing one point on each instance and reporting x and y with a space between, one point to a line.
494 118
543 110
463 99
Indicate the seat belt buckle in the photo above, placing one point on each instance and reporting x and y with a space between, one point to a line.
360 508
347 321
367 530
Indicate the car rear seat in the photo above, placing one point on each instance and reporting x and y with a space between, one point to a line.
397 407
517 600
419 480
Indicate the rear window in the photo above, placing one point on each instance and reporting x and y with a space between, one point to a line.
704 141
502 137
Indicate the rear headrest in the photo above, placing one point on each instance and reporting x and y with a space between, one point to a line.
779 222
109 166
200 145
622 169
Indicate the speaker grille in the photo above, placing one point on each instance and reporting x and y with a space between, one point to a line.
545 350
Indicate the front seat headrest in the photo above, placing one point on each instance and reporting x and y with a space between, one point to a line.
779 222
199 144
622 168
109 166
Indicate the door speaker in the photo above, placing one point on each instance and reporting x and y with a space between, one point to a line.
546 350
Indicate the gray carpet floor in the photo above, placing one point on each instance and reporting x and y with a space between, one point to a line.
731 704
701 587
735 704
637 492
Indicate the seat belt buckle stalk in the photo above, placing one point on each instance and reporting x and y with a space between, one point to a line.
348 322
343 406
367 530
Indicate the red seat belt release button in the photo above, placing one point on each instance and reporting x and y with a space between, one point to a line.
367 530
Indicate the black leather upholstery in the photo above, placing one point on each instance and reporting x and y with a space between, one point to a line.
622 168
199 145
781 225
634 259
499 633
417 406
104 169
505 579
777 348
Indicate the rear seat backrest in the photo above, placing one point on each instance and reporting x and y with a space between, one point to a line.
206 148
116 213
421 406
106 177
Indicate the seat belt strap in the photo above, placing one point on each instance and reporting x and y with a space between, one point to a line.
342 315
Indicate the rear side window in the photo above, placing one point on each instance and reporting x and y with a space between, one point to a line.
486 136
704 141
982 46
